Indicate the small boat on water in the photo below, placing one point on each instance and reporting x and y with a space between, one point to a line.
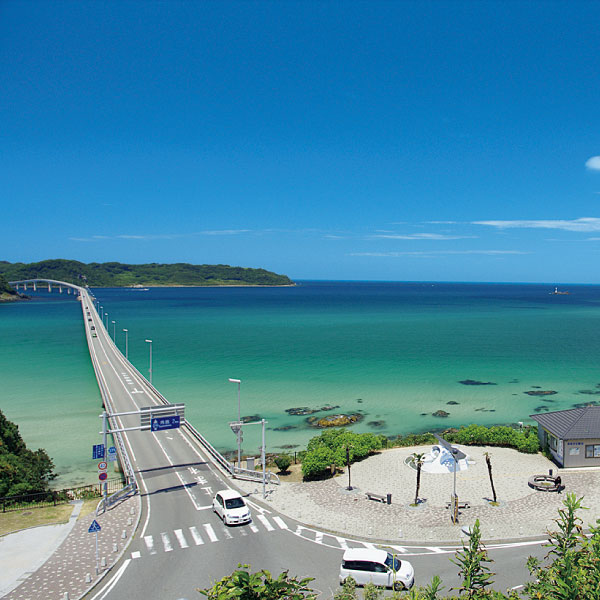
557 293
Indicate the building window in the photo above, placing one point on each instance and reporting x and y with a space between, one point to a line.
592 451
553 442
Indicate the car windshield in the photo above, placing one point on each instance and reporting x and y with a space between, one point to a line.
234 503
392 562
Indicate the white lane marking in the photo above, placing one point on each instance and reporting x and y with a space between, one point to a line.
436 550
150 544
181 538
253 528
196 535
342 542
369 545
114 581
243 531
260 509
265 522
183 483
399 549
210 532
319 537
166 542
226 533
280 522
136 554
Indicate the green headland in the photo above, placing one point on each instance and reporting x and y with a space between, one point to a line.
114 274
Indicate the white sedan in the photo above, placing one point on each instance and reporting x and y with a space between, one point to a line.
231 508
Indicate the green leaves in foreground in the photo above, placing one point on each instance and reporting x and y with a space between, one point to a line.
243 585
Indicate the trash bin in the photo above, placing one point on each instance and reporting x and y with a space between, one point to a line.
250 462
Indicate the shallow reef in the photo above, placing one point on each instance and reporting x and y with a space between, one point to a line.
475 382
440 413
540 392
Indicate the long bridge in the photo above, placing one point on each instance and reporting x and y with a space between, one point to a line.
180 544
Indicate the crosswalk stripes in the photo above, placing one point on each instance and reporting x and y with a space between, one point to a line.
166 542
181 538
196 536
265 522
280 522
150 544
210 532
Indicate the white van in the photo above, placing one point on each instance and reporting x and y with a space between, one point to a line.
366 565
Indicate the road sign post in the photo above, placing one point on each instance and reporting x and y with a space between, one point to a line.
95 528
104 442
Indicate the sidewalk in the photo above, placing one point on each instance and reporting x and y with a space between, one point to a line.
68 554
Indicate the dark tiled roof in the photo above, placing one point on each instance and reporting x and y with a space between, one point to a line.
576 423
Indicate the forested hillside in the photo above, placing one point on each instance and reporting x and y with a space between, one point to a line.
6 292
115 274
22 471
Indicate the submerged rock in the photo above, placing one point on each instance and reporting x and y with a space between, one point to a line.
541 408
328 407
301 411
289 446
376 424
359 400
590 392
540 392
586 404
452 402
475 382
250 418
334 420
440 413
284 428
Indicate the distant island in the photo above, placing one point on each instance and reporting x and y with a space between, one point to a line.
7 294
114 274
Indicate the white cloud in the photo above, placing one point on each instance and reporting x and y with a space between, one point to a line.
439 253
583 224
225 232
421 236
593 163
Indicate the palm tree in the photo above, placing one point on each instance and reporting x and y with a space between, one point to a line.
488 460
418 459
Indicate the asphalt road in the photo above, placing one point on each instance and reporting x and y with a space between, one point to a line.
182 545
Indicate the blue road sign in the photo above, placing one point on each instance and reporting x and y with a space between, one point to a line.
97 451
112 454
160 423
94 527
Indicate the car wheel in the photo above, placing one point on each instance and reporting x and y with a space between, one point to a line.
398 586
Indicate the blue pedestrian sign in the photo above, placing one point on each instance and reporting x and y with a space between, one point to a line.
112 454
94 527
160 423
97 451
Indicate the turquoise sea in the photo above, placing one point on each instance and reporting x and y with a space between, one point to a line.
393 352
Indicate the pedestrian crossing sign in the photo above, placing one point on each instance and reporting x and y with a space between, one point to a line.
94 527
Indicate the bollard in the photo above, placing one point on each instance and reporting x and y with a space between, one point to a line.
132 510
129 521
389 498
103 561
88 578
124 534
65 596
115 547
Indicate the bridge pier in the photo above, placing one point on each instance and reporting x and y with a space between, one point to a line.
49 287
60 288
34 286
25 286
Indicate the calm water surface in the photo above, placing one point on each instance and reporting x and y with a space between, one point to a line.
392 352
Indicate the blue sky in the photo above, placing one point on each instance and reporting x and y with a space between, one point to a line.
455 141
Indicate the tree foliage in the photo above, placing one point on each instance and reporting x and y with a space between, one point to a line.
22 471
114 274
243 585
329 448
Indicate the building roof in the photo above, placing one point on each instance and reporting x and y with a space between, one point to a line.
576 423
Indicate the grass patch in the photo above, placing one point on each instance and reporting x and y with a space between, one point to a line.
33 517
292 475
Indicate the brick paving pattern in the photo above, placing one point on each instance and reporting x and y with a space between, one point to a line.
66 570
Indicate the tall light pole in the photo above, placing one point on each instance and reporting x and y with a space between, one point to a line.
106 317
239 382
102 313
114 331
150 369
126 343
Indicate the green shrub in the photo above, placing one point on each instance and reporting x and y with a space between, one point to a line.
283 462
317 461
498 435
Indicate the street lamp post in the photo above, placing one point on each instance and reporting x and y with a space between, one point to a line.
150 369
106 317
126 343
102 313
114 331
239 382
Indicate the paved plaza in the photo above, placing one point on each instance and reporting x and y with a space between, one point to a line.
521 513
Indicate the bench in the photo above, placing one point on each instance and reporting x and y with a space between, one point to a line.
460 505
377 497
